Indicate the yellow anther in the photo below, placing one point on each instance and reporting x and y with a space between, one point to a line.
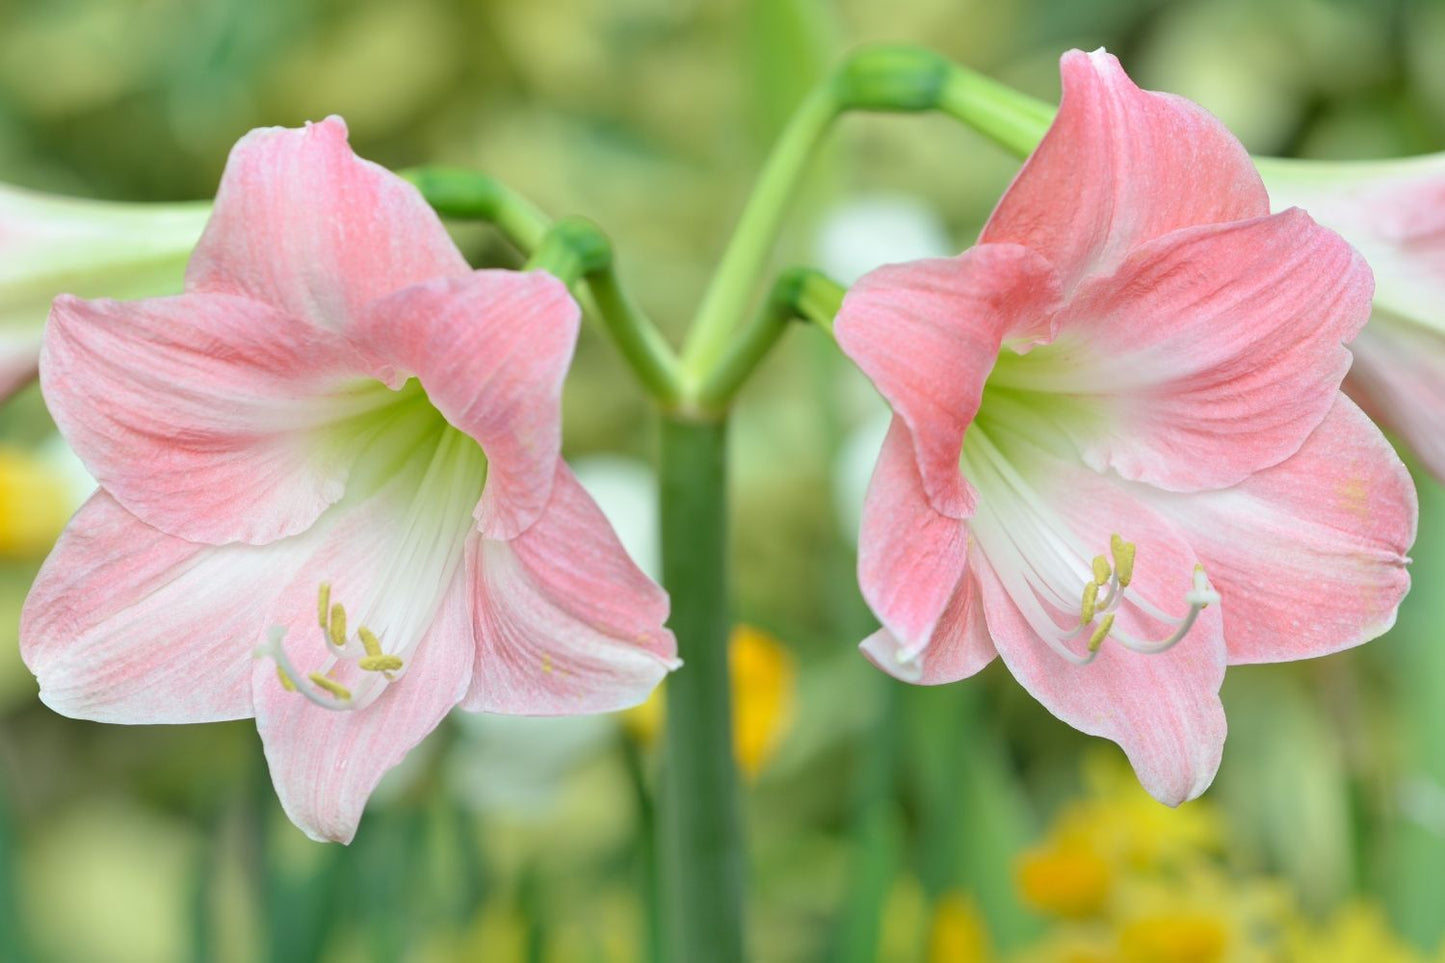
1106 625
286 682
337 628
1123 553
369 641
323 603
1101 570
1091 599
547 664
330 684
380 663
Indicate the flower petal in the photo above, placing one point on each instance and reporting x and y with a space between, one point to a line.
1119 167
304 225
1393 211
127 624
491 349
325 763
1163 709
1398 378
1309 556
565 621
202 414
927 334
911 564
1215 351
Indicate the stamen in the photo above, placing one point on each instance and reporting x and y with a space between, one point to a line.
1106 625
369 641
337 629
1091 599
1123 553
328 692
1199 597
330 685
380 663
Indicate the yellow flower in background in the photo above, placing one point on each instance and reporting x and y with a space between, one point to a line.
1357 933
764 683
38 494
957 933
1176 938
1065 876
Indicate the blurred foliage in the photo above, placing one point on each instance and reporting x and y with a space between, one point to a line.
888 822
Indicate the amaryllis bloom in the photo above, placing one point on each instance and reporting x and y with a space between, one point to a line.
332 496
50 244
1393 212
1119 458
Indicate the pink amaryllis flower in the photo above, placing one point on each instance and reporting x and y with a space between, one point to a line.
1394 213
332 496
1119 457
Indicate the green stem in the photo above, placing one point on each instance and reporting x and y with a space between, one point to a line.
800 293
886 78
732 287
1013 120
470 196
642 345
702 848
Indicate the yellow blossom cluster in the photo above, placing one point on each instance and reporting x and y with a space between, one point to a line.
1118 878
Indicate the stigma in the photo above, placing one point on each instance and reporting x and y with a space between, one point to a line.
323 688
1106 592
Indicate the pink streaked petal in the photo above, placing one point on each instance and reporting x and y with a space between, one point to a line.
127 624
201 414
1119 167
1393 211
927 334
324 763
1398 378
491 349
1217 349
1163 708
1309 556
911 563
958 648
565 621
304 225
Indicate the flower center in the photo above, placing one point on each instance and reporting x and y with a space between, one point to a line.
408 511
1061 592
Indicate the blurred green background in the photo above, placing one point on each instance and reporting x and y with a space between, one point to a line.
884 822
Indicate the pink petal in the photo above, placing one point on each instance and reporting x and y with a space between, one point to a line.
1216 350
1398 378
1392 211
491 349
1309 556
1163 709
565 621
1119 167
201 414
911 563
927 333
304 225
127 624
958 648
325 763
